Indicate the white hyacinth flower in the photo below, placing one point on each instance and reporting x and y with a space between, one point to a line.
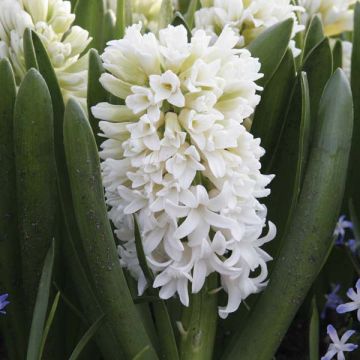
51 20
178 156
336 15
144 11
247 18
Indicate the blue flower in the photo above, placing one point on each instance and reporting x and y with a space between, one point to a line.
354 304
340 229
3 303
352 245
338 346
332 300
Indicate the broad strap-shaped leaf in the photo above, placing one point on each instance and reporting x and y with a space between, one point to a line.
288 164
269 117
29 51
109 28
90 16
307 240
90 306
10 275
314 35
318 67
48 73
183 6
189 16
96 235
35 178
41 305
337 54
270 47
166 14
96 93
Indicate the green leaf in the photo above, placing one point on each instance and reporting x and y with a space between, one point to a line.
96 235
90 333
47 71
269 115
166 14
309 237
183 5
90 16
337 55
48 324
318 67
15 336
105 338
353 188
96 93
123 17
69 303
189 16
270 47
314 35
180 20
109 28
314 332
288 164
41 305
35 178
29 51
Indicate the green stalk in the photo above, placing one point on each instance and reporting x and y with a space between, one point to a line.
314 331
199 323
35 179
162 319
10 266
307 241
96 236
123 17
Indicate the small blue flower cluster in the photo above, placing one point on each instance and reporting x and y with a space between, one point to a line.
334 302
3 303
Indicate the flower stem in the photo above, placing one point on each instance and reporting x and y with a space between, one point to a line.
354 261
199 321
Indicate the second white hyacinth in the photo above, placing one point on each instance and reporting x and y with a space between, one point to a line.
52 21
177 155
